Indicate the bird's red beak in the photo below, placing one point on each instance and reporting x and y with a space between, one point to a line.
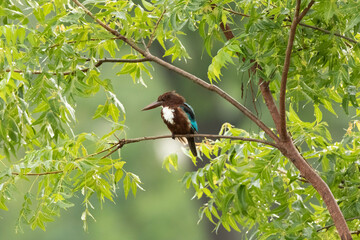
152 105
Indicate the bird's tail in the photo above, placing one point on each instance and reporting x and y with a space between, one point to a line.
192 146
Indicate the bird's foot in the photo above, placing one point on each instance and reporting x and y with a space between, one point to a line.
173 136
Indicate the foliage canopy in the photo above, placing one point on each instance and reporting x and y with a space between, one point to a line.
52 53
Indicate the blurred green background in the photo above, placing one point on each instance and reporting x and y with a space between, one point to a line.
165 209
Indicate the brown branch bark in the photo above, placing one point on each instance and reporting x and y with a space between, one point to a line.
270 102
282 131
305 11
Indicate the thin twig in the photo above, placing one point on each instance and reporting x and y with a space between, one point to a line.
331 225
328 32
154 30
98 64
133 140
301 179
236 13
77 41
37 174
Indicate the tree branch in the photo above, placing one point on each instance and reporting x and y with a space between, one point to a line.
98 64
269 101
328 32
122 142
305 11
37 174
331 225
91 39
282 131
154 30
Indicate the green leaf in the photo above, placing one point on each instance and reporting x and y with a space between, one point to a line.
148 6
328 106
351 23
318 113
118 174
241 194
119 165
127 184
172 160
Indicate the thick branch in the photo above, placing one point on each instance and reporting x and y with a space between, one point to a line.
282 130
305 11
269 101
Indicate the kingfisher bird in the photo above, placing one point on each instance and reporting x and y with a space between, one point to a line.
178 116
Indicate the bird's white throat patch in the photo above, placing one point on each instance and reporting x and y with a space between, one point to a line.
168 114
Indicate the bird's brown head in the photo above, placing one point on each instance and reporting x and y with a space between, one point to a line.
167 99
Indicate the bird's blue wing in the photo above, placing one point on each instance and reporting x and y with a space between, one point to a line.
191 115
